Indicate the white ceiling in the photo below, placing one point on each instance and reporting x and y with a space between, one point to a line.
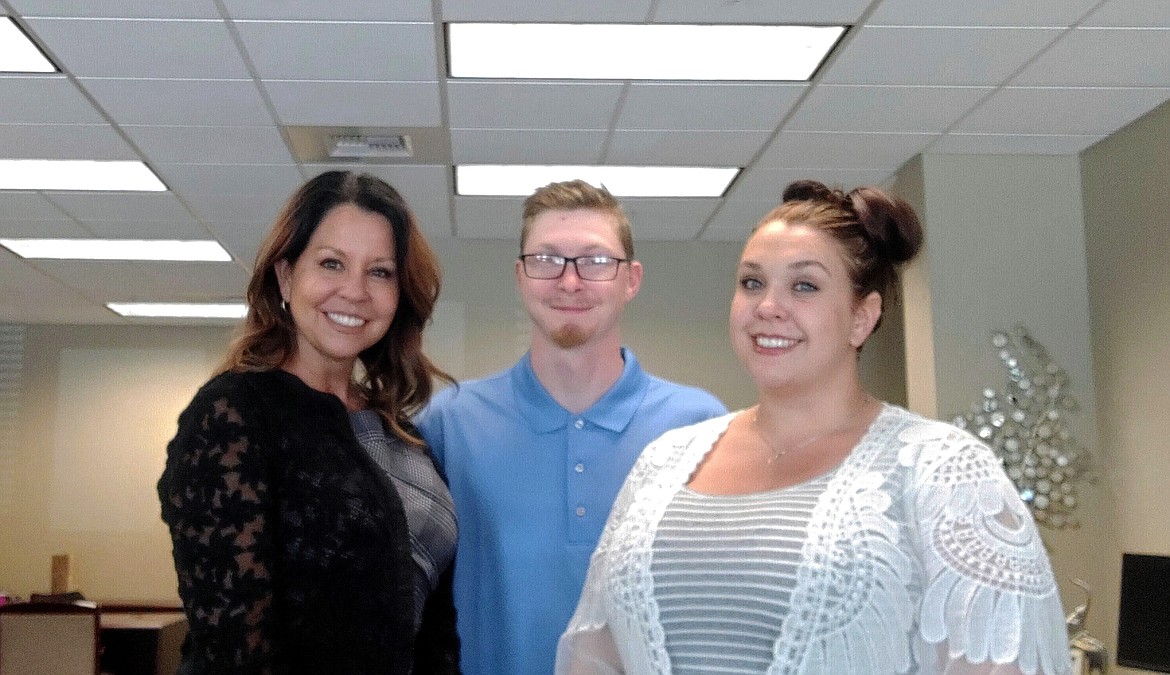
204 90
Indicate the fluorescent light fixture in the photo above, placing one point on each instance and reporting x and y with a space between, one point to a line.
638 51
18 54
180 310
498 180
117 249
77 174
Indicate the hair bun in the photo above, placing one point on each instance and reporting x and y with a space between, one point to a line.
889 222
813 191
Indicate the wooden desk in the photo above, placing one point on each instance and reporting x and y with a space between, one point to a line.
141 643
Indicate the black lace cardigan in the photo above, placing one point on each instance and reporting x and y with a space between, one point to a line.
291 546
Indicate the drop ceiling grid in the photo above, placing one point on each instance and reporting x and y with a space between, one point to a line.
202 101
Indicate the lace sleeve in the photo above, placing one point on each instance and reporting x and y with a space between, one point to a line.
588 652
990 603
216 501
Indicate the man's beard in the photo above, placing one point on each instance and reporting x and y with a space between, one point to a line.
570 337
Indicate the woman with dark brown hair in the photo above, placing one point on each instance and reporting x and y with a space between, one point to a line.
312 531
820 531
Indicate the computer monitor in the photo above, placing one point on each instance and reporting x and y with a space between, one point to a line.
1143 623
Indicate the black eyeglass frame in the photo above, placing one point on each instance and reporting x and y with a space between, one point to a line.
523 258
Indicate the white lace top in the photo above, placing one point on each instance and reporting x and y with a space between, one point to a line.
919 557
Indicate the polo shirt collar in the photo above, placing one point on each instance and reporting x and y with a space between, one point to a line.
613 411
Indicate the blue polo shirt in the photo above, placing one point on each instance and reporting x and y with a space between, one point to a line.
533 485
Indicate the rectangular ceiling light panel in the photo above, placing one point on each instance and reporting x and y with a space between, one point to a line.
494 180
117 249
178 310
18 54
78 174
638 51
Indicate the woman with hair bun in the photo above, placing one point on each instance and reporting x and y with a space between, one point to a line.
820 530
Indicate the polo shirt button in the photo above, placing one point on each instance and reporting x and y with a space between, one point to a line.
580 511
580 424
580 468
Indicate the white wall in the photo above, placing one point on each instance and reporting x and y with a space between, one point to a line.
97 406
1127 231
1005 246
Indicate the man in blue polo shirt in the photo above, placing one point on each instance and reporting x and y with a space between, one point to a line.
535 454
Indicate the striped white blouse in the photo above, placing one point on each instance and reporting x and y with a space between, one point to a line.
724 568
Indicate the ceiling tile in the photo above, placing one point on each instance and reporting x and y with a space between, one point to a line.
30 214
334 10
210 145
488 217
217 207
1004 144
735 218
231 178
685 148
141 48
179 102
527 146
1103 57
760 11
943 56
149 281
531 105
378 104
595 11
147 229
668 219
32 296
1091 111
155 9
308 50
999 13
241 240
1121 13
426 189
890 109
707 106
63 141
43 229
120 206
839 150
16 205
44 100
768 184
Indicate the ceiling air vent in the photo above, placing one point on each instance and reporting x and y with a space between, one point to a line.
369 147
355 147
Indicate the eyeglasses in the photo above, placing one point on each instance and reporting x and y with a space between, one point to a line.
589 267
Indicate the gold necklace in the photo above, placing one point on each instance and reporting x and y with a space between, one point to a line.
777 453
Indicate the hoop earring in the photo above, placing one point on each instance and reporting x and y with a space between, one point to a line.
284 305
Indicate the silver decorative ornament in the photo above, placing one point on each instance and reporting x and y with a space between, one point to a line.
1025 422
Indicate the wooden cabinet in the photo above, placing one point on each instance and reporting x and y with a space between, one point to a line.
141 643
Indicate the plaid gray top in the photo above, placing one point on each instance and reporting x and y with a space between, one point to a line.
430 513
